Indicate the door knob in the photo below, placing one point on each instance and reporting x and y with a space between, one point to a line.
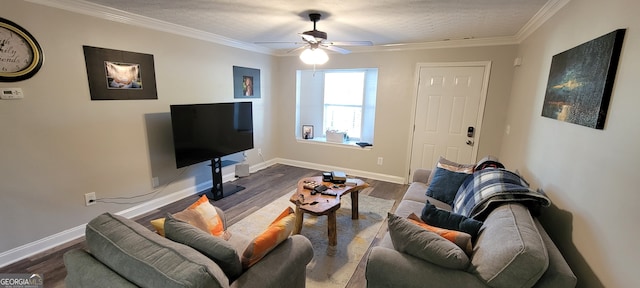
470 142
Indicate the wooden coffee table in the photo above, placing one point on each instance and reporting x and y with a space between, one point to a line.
326 205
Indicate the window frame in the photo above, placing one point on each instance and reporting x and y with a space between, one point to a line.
310 97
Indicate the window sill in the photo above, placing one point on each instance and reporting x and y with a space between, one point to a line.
323 141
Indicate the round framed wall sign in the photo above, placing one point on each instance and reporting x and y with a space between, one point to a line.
20 54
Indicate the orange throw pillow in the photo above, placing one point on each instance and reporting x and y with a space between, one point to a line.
278 231
209 214
461 239
200 214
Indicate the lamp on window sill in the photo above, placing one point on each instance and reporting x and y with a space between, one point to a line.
314 55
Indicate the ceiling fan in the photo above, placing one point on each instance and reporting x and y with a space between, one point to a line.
314 39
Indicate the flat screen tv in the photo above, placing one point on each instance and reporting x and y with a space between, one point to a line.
203 132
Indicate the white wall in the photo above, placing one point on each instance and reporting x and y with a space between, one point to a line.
395 97
589 174
56 144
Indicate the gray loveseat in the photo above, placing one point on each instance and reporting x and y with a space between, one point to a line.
512 249
123 253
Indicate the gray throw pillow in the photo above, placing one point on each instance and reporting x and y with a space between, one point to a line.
411 239
216 248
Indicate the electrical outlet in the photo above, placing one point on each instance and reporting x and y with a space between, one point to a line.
90 198
155 182
380 160
259 150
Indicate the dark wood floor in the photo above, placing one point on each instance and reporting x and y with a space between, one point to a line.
261 187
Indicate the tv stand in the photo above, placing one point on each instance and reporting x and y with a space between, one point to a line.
220 190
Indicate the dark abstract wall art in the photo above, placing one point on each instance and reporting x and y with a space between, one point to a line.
581 80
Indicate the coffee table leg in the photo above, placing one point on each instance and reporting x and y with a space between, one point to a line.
299 217
354 204
331 228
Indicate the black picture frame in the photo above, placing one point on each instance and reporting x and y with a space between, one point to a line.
246 82
581 81
307 131
120 75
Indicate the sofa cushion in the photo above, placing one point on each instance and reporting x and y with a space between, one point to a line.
451 166
509 251
83 270
415 192
406 207
216 248
449 220
445 184
411 239
461 239
121 243
278 231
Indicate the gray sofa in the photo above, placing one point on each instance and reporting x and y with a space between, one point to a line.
123 253
512 249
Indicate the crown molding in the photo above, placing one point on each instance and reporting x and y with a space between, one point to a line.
111 14
547 11
462 43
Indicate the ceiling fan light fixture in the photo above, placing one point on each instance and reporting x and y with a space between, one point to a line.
314 56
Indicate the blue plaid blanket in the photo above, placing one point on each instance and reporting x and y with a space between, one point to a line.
488 186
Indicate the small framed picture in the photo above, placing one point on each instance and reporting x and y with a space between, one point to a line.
307 131
246 82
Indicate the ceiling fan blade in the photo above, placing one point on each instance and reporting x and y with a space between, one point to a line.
297 49
352 43
309 38
335 49
276 42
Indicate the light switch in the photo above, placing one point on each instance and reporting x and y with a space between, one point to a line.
11 93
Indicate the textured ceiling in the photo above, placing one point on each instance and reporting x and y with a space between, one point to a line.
384 22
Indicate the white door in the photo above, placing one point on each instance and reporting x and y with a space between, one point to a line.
449 99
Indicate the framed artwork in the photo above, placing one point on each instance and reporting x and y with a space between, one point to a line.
307 131
581 81
246 82
120 75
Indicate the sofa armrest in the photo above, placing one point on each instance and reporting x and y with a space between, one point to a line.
559 273
421 175
390 268
85 271
284 266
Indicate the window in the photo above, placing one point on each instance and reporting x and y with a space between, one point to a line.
342 100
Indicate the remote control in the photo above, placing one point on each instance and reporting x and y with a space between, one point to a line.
320 188
329 193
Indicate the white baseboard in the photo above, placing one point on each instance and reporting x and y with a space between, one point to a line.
358 173
27 250
30 249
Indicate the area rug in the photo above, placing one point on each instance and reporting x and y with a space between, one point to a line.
330 267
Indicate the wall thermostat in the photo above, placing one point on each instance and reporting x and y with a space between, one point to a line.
11 93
